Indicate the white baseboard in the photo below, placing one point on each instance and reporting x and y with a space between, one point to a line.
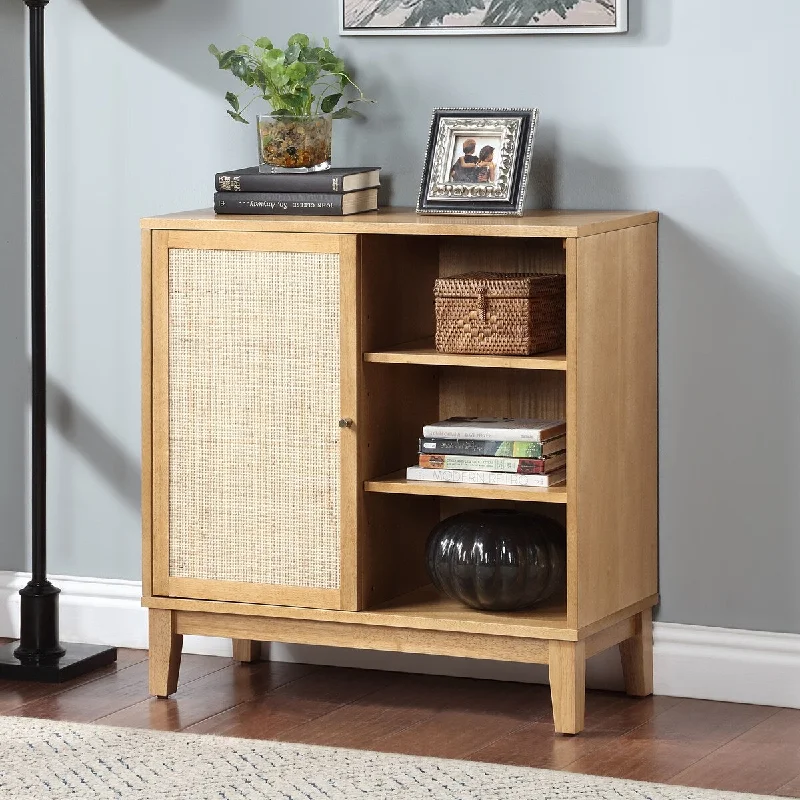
690 661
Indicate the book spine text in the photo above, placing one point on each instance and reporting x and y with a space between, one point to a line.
477 447
277 203
483 477
484 434
268 182
521 466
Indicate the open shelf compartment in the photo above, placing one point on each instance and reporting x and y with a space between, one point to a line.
407 384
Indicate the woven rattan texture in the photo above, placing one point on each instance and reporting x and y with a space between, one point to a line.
253 407
500 314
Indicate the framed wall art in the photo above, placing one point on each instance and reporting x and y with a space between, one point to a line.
477 161
400 17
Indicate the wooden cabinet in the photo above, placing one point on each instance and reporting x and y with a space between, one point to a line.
288 368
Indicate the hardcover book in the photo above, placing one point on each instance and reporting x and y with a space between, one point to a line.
481 447
521 466
330 181
484 477
302 203
494 428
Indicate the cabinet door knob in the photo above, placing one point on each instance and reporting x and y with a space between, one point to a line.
346 423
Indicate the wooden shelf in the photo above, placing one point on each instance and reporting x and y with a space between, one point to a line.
423 352
397 483
427 608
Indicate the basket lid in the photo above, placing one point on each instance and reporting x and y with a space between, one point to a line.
496 284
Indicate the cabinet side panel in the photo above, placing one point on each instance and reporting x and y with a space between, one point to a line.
159 297
616 446
147 419
571 249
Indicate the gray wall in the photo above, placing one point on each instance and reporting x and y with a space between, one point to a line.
13 352
693 113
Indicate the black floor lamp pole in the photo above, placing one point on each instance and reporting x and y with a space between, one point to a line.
39 654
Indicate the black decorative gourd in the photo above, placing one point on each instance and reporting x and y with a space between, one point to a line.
497 559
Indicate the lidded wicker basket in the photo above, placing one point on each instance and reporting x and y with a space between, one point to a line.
500 314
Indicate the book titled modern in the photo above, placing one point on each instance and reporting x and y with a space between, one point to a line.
487 447
302 203
483 477
495 429
521 466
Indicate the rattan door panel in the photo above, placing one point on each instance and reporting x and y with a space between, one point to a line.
248 459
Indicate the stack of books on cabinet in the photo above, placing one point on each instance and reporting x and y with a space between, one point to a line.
330 192
505 452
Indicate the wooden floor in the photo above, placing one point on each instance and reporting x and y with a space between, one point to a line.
690 742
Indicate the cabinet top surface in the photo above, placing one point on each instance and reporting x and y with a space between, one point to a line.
542 224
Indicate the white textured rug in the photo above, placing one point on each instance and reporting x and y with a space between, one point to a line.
51 760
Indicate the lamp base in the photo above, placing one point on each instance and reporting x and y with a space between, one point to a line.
78 660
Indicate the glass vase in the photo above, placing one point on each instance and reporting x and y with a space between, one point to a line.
294 144
498 559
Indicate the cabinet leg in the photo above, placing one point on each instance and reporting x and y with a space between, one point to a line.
568 685
165 653
246 651
637 657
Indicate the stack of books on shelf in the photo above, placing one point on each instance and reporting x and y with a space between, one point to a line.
332 192
507 452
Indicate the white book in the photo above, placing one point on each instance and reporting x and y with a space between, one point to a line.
494 429
482 477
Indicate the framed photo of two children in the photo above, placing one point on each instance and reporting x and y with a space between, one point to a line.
477 161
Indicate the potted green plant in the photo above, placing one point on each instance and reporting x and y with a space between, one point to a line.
306 88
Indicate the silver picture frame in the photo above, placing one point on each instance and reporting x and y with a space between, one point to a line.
477 161
436 17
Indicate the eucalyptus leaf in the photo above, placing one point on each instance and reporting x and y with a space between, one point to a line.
328 61
239 67
237 116
233 100
329 102
296 71
274 58
264 43
292 53
299 39
226 59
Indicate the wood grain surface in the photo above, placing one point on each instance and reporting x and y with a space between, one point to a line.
546 224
